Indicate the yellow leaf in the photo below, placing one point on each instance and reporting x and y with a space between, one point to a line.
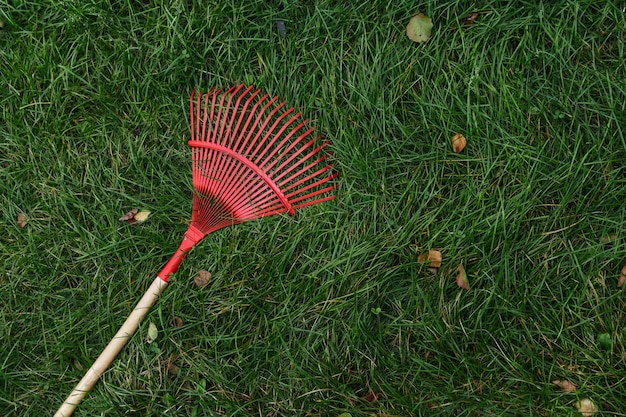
419 28
153 333
586 407
142 216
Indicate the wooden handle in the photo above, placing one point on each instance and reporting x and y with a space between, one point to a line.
113 348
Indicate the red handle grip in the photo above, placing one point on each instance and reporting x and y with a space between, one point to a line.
193 235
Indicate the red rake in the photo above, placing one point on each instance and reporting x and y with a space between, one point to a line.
250 159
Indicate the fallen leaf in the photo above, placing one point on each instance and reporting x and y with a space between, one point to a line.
202 278
153 333
586 407
471 18
608 238
135 216
371 397
604 341
458 143
129 217
433 258
622 277
176 322
461 278
22 220
419 28
172 368
142 216
280 26
565 385
78 365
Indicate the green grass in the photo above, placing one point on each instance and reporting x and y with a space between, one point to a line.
93 102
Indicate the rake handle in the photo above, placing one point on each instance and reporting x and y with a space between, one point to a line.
113 348
192 236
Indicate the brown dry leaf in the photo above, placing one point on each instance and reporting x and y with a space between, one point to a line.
609 238
176 322
78 365
468 21
202 278
461 278
172 368
586 407
129 217
622 277
458 143
371 397
565 385
22 220
433 258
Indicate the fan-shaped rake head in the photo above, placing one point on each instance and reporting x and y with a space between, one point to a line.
252 158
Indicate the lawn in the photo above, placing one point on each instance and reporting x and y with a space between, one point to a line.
328 312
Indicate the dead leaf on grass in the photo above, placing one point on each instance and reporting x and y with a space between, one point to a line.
609 238
202 279
432 259
142 216
78 365
458 143
172 368
565 385
622 277
419 28
586 407
135 216
153 333
22 220
461 278
371 397
176 322
281 27
129 216
468 21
